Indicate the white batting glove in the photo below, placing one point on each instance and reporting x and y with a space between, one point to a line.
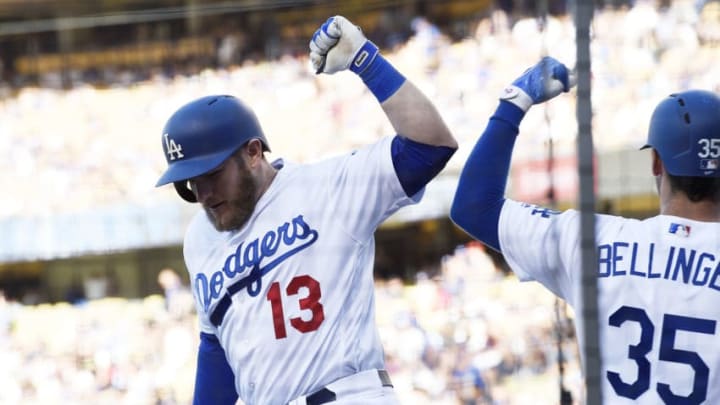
339 45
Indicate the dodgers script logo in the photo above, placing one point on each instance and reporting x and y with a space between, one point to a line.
260 255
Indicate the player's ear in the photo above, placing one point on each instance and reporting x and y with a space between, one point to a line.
254 149
657 164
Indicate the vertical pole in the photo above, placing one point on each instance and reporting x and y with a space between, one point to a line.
589 314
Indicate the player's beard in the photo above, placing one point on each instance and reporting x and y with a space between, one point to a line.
241 205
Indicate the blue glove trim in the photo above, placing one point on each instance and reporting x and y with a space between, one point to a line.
381 78
325 26
510 113
481 189
214 379
417 163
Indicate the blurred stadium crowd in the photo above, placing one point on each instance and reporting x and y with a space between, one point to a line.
466 335
453 337
77 149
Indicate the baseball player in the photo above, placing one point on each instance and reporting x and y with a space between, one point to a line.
281 256
658 278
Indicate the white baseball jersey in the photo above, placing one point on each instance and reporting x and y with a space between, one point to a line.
290 296
658 292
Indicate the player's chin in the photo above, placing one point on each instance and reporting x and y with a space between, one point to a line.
217 217
228 220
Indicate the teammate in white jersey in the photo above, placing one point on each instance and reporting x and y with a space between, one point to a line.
281 260
658 279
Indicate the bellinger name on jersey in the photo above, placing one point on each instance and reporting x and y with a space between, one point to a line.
675 263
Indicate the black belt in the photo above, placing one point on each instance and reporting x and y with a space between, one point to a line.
324 395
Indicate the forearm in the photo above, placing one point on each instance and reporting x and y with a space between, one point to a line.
480 194
413 115
481 188
424 143
410 112
339 45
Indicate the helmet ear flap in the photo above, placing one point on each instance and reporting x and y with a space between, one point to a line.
184 191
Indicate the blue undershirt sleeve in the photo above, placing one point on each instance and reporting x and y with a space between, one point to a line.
481 189
214 379
417 163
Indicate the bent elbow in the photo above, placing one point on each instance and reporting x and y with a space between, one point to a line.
459 212
451 142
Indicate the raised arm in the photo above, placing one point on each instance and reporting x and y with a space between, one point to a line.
339 45
481 188
414 116
423 144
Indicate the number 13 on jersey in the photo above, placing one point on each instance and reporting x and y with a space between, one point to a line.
310 303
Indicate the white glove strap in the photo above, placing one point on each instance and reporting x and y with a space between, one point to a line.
517 96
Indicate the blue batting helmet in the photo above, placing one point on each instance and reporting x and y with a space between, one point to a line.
202 134
685 131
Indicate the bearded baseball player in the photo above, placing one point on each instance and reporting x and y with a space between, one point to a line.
281 256
658 278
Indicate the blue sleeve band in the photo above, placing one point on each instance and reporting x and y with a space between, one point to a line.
364 57
214 379
509 113
481 189
381 78
417 163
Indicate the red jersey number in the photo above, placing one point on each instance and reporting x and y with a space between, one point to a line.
311 303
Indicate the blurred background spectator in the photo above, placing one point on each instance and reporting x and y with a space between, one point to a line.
462 331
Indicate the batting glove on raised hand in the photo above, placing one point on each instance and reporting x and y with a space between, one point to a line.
540 83
338 45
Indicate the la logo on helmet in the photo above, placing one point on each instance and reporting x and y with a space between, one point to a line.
172 148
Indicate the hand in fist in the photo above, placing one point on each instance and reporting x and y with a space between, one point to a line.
540 83
338 45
